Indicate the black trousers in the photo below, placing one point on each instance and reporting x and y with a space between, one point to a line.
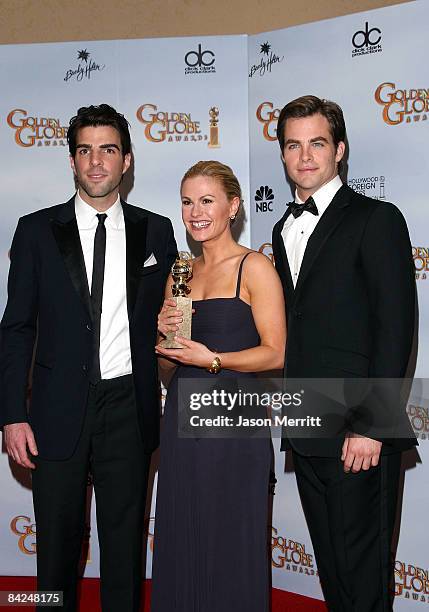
110 446
350 518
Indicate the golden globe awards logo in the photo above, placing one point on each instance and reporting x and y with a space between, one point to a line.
268 116
371 186
25 529
411 582
421 262
31 130
290 555
402 105
419 419
267 249
165 126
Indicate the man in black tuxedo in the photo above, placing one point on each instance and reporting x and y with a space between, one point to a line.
347 274
85 286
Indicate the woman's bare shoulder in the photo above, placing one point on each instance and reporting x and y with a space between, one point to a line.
257 260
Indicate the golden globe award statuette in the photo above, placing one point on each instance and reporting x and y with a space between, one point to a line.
214 129
182 273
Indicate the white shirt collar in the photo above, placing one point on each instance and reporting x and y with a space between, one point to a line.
86 215
323 196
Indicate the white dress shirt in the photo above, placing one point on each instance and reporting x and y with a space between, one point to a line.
115 351
296 232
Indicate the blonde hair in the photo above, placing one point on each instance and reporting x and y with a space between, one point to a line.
220 172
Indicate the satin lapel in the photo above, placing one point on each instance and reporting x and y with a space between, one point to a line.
66 234
135 231
329 221
277 236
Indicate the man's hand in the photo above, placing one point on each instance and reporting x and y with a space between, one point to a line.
17 437
360 453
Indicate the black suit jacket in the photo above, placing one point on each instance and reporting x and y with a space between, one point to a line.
352 311
49 311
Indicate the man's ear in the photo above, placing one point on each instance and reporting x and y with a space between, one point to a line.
127 162
341 149
72 165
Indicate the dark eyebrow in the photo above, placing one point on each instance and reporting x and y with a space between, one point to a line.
317 139
109 146
102 146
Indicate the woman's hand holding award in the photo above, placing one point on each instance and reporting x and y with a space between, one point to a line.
182 273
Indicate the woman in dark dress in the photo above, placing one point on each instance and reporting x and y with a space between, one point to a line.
210 547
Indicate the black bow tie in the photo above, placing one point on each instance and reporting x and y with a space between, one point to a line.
309 205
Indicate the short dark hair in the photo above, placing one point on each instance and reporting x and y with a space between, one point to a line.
305 106
93 116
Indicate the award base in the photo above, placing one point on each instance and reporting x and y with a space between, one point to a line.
185 305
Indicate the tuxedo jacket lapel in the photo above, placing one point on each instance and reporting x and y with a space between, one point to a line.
283 265
66 234
329 221
136 233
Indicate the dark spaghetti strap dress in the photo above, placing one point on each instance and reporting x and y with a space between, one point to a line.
210 546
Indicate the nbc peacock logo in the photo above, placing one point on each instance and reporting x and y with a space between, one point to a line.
264 199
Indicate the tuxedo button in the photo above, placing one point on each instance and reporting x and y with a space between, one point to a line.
85 367
88 327
298 314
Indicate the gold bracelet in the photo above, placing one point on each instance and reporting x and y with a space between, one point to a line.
215 366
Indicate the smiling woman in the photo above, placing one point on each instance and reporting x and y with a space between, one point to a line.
211 198
212 495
